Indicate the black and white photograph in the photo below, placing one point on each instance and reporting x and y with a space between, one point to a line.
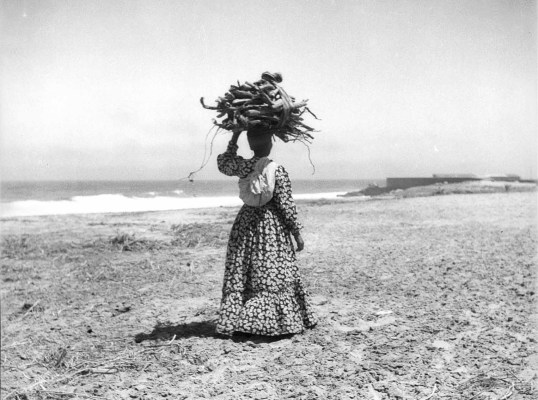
268 200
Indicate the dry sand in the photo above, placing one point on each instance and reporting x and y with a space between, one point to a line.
419 298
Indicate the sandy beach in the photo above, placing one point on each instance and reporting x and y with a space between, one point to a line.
418 298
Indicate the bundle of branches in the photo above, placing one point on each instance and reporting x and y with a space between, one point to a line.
263 104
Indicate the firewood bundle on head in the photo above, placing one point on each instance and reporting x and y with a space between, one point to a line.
263 104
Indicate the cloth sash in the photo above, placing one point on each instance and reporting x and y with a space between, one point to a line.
257 188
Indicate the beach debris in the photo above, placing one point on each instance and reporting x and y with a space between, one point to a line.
129 242
121 309
56 358
28 308
124 241
365 326
263 104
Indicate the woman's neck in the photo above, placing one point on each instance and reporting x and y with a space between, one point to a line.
261 154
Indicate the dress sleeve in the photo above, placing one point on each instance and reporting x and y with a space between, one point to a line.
230 163
284 201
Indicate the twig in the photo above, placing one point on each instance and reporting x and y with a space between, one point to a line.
13 344
508 393
78 394
476 395
514 375
145 366
431 394
57 393
309 157
30 309
103 370
32 386
172 282
205 160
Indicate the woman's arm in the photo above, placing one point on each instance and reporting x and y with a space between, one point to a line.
229 162
284 202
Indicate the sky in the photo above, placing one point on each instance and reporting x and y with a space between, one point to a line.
102 89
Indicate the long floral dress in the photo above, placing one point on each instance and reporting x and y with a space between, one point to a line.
262 291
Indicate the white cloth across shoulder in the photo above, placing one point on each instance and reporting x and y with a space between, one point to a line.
257 188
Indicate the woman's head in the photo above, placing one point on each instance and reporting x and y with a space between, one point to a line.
260 141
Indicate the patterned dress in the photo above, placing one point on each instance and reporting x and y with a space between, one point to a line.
262 292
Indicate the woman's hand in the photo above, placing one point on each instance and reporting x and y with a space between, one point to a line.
300 242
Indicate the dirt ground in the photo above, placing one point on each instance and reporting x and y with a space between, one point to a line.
418 298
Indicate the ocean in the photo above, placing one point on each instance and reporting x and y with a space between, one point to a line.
30 198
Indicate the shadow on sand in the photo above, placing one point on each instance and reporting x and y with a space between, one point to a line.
203 329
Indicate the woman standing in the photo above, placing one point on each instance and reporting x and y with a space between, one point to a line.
262 292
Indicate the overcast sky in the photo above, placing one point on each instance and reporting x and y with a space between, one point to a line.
110 89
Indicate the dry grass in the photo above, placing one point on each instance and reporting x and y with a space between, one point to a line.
200 234
39 246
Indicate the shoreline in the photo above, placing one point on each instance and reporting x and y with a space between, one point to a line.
159 201
138 205
120 204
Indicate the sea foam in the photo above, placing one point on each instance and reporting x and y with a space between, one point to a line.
117 203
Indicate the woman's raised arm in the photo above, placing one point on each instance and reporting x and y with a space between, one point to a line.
229 162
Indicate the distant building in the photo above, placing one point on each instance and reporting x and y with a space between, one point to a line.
472 176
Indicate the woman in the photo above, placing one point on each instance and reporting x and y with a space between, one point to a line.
262 292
